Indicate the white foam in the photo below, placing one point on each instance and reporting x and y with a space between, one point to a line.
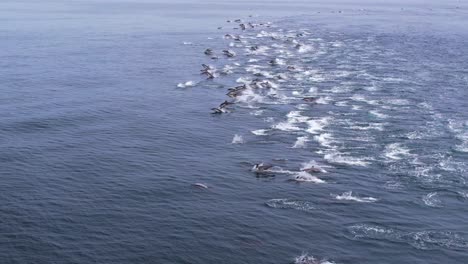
375 126
238 139
317 125
361 98
290 204
307 259
341 158
227 69
432 200
257 112
341 103
314 164
260 132
324 139
186 84
378 114
286 126
250 98
243 80
398 101
303 176
296 117
302 106
348 196
297 93
323 100
301 142
305 48
396 151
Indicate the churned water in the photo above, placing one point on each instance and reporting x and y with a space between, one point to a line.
355 110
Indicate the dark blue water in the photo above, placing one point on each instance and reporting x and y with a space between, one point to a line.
100 148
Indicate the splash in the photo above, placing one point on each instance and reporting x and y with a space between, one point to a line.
348 196
238 139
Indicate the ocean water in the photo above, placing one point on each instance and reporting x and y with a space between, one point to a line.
110 152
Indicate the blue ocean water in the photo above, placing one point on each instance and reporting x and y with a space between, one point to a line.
102 138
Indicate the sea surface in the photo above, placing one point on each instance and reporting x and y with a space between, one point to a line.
110 153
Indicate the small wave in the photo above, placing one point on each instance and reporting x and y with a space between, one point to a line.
238 139
348 196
